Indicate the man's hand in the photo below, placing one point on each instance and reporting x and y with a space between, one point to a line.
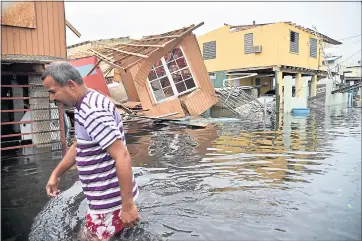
129 215
52 186
67 162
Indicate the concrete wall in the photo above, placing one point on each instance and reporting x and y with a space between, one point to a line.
290 102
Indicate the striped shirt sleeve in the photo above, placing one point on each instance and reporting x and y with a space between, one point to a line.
102 127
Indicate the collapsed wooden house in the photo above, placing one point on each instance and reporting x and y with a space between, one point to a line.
165 73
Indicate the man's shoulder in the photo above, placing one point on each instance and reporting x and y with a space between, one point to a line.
97 101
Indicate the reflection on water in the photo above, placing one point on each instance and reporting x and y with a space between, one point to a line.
230 181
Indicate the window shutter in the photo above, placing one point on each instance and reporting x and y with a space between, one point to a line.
209 50
313 47
248 43
294 42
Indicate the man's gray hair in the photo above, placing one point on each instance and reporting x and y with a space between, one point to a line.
62 72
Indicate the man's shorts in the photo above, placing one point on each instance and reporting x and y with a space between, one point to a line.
105 225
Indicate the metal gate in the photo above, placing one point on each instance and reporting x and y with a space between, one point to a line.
32 120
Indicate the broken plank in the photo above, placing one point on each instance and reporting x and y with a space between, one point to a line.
161 118
142 45
132 104
94 67
129 53
188 124
166 115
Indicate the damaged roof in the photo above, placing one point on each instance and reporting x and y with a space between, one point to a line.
97 40
324 37
125 55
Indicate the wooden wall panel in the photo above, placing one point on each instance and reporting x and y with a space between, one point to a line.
196 102
197 65
47 39
56 24
62 26
4 44
129 85
45 8
202 99
39 22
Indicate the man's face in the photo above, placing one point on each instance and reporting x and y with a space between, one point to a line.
63 94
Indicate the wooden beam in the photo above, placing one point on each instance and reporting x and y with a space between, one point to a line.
192 29
142 45
161 37
102 55
105 59
71 27
184 33
94 67
108 71
156 117
129 53
138 60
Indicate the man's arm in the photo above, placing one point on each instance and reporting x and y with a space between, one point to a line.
119 153
67 162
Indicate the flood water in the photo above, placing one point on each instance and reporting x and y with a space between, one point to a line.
230 181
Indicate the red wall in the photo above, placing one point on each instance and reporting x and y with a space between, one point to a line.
95 80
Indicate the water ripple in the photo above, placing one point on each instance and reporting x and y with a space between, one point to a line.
230 181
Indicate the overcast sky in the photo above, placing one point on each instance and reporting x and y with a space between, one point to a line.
99 20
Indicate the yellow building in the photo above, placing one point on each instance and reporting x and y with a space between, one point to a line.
268 50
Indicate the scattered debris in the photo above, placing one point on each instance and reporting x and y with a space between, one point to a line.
243 104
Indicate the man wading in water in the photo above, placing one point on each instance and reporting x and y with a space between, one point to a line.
100 152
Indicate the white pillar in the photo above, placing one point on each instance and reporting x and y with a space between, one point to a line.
287 94
314 86
298 85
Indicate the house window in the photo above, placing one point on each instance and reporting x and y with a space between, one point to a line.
248 43
294 42
313 47
209 50
171 76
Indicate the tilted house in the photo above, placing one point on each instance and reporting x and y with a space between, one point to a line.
165 72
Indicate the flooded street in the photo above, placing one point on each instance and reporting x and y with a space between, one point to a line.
230 181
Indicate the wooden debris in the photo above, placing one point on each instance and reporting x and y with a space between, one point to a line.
163 120
132 104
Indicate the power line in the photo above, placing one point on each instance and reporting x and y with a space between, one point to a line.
347 59
350 37
353 43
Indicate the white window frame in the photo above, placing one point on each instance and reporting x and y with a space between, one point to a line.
173 86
